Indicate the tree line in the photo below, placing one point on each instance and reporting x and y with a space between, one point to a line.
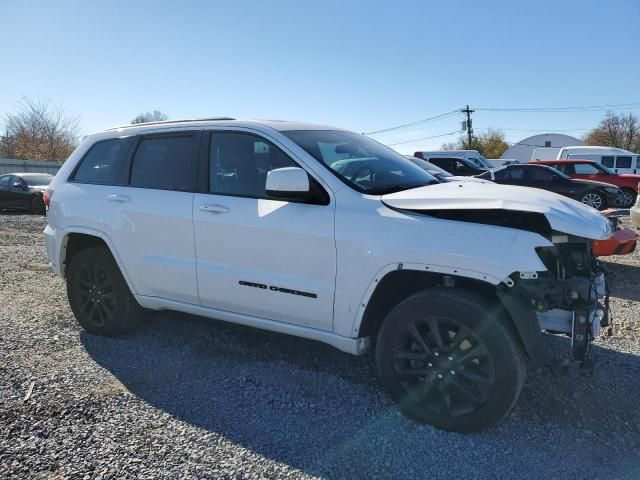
37 130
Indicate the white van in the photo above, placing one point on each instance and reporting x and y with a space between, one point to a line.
617 159
545 153
473 155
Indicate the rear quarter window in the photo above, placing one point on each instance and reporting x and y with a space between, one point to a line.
101 164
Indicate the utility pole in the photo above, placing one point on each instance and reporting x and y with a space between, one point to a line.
468 111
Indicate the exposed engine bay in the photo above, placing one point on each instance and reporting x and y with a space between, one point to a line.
571 297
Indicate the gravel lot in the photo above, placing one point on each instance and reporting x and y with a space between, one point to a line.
187 397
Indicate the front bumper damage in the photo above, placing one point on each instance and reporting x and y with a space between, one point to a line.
569 301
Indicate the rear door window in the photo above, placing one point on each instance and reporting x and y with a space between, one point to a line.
539 174
4 181
101 164
514 173
165 162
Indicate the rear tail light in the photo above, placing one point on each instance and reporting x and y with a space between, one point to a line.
46 196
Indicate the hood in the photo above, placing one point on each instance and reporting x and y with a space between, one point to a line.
629 176
456 178
595 183
563 214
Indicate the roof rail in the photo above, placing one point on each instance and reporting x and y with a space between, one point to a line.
144 124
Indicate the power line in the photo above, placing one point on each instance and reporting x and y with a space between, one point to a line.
423 138
537 129
588 108
426 120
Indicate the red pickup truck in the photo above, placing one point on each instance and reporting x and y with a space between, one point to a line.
595 171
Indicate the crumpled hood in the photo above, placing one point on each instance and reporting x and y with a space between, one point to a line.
564 215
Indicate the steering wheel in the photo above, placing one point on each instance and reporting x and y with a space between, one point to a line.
361 170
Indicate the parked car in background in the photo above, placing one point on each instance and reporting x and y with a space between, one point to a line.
472 155
440 173
460 167
598 195
24 191
590 170
617 159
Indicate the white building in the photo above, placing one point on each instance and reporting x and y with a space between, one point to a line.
548 142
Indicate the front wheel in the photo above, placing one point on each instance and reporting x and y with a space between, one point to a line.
449 360
594 199
628 197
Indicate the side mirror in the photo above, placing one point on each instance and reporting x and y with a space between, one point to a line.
19 185
555 178
290 183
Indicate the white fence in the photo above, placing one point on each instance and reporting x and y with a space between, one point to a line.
9 165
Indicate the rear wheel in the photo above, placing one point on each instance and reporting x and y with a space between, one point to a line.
448 359
594 199
37 205
98 294
628 197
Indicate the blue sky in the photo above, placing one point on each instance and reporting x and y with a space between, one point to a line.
361 65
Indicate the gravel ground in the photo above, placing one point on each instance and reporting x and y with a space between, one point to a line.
187 397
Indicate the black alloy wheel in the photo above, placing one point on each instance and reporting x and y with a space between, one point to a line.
445 366
98 294
451 358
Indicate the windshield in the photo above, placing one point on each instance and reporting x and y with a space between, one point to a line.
360 162
482 162
37 180
604 169
434 170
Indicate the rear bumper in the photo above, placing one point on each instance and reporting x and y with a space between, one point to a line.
53 250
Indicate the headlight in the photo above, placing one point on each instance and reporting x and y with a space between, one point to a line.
613 190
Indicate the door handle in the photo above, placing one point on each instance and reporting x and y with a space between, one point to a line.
118 198
217 209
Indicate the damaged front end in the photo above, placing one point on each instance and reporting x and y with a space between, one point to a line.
571 297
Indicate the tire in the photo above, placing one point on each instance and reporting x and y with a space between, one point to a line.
629 197
467 380
37 205
594 199
98 294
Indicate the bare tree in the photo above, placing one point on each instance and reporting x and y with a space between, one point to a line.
37 131
155 116
616 130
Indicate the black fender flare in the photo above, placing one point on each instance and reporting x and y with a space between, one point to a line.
524 319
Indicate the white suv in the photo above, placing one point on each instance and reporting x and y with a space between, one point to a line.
325 234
